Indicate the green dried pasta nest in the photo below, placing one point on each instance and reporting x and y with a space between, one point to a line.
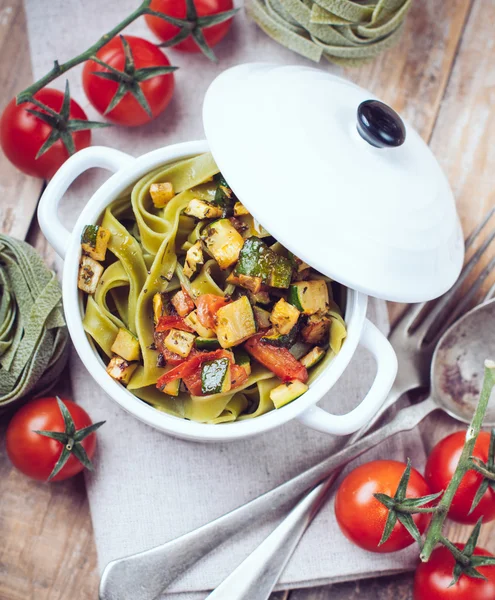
33 333
344 32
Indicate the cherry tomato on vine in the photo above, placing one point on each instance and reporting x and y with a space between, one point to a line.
433 579
362 517
440 468
139 91
36 454
22 134
177 8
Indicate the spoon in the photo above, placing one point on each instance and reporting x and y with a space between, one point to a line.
456 377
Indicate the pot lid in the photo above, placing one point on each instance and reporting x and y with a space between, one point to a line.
337 177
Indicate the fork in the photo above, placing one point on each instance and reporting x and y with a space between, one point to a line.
147 574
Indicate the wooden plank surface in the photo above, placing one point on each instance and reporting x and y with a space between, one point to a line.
439 77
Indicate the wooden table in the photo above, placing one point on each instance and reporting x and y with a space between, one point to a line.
441 77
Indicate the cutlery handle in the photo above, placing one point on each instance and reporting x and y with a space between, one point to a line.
146 574
256 576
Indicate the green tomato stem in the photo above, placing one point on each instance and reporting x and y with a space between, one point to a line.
434 532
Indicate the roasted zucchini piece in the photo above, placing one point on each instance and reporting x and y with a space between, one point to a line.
256 259
94 241
274 338
287 392
126 345
202 343
253 284
172 388
193 322
180 342
240 210
89 274
310 297
224 242
262 317
316 330
261 297
284 316
313 357
243 359
215 376
182 303
161 304
121 370
161 193
235 323
202 210
194 257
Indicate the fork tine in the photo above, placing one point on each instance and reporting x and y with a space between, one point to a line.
490 294
443 303
411 314
463 305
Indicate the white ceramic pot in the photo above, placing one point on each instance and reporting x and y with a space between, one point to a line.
128 170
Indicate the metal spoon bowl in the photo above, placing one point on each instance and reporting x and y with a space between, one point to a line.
456 375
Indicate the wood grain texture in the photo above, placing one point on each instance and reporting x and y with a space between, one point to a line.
441 77
19 195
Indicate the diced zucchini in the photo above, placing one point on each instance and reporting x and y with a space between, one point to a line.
126 345
299 349
281 341
161 193
194 257
235 323
262 317
193 322
182 303
313 357
284 316
316 330
179 342
243 359
94 241
89 274
240 210
287 392
160 306
310 297
256 259
202 343
202 210
215 376
172 388
121 370
224 242
253 284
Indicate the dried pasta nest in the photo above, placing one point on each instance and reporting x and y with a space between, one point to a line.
344 32
33 333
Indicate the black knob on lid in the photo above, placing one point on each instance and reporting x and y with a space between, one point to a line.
379 125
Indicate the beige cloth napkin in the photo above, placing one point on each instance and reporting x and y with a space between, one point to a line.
149 488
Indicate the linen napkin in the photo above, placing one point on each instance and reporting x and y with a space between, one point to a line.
149 488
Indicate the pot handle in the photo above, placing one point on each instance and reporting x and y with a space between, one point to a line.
386 360
95 156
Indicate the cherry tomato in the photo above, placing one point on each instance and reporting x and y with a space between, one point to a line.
433 578
36 455
208 305
177 8
440 468
362 518
157 90
22 135
279 360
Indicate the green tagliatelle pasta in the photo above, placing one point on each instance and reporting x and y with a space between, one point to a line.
345 32
145 259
